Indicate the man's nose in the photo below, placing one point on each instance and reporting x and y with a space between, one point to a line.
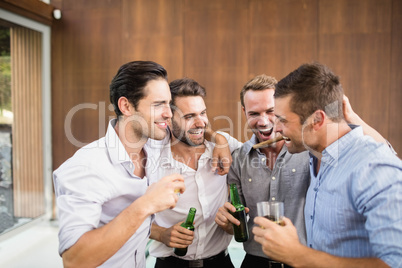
278 126
167 112
263 121
199 122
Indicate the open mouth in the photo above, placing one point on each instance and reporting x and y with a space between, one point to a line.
196 131
266 133
286 139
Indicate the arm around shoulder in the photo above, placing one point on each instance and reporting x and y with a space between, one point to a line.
352 118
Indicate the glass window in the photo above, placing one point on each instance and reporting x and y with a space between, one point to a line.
7 219
25 166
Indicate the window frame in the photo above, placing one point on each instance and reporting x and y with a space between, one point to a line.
45 30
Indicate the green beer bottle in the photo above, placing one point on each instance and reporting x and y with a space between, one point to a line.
241 231
188 224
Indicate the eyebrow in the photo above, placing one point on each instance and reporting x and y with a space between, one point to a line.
192 114
280 117
270 109
160 102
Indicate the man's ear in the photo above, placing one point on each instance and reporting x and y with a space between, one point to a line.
125 106
318 119
244 110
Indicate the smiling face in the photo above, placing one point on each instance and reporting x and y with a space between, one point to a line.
288 124
153 112
190 120
259 111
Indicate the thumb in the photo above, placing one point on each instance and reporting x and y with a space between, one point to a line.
287 221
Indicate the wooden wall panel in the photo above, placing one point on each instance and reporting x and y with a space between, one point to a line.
153 30
283 36
357 48
395 95
222 44
88 52
215 55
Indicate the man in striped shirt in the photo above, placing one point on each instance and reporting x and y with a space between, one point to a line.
352 212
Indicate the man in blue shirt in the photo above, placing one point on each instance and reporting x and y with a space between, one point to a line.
353 210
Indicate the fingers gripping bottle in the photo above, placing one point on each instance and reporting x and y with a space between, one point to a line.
188 224
241 231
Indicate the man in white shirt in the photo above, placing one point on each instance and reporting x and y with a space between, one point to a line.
187 149
103 195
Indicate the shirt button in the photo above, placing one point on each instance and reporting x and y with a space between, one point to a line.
311 245
273 198
293 170
311 217
315 189
273 178
249 179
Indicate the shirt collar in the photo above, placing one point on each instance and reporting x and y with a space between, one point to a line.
248 146
116 150
331 154
166 158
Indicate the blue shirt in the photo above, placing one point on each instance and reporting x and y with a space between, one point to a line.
354 203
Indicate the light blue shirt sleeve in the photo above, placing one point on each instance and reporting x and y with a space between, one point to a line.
354 204
377 195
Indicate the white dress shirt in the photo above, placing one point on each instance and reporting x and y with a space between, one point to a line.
92 188
205 191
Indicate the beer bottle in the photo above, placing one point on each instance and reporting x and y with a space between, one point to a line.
188 224
241 231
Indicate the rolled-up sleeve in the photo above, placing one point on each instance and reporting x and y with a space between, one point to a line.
80 195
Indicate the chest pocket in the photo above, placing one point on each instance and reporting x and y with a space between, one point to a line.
297 180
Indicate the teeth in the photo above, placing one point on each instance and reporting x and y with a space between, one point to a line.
162 124
285 138
265 130
196 132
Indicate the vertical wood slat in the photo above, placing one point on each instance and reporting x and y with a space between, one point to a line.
26 88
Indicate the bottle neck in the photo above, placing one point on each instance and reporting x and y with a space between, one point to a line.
234 196
190 217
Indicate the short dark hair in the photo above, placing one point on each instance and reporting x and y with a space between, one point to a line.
131 79
185 87
258 83
312 87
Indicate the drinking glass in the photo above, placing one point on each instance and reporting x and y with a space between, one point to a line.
271 210
170 171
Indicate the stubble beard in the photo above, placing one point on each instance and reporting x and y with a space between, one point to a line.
180 135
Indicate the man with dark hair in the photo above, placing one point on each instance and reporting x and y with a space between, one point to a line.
187 149
104 202
353 213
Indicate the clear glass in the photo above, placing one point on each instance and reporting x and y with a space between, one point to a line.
271 210
170 171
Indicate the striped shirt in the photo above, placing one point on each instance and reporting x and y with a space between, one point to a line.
354 203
